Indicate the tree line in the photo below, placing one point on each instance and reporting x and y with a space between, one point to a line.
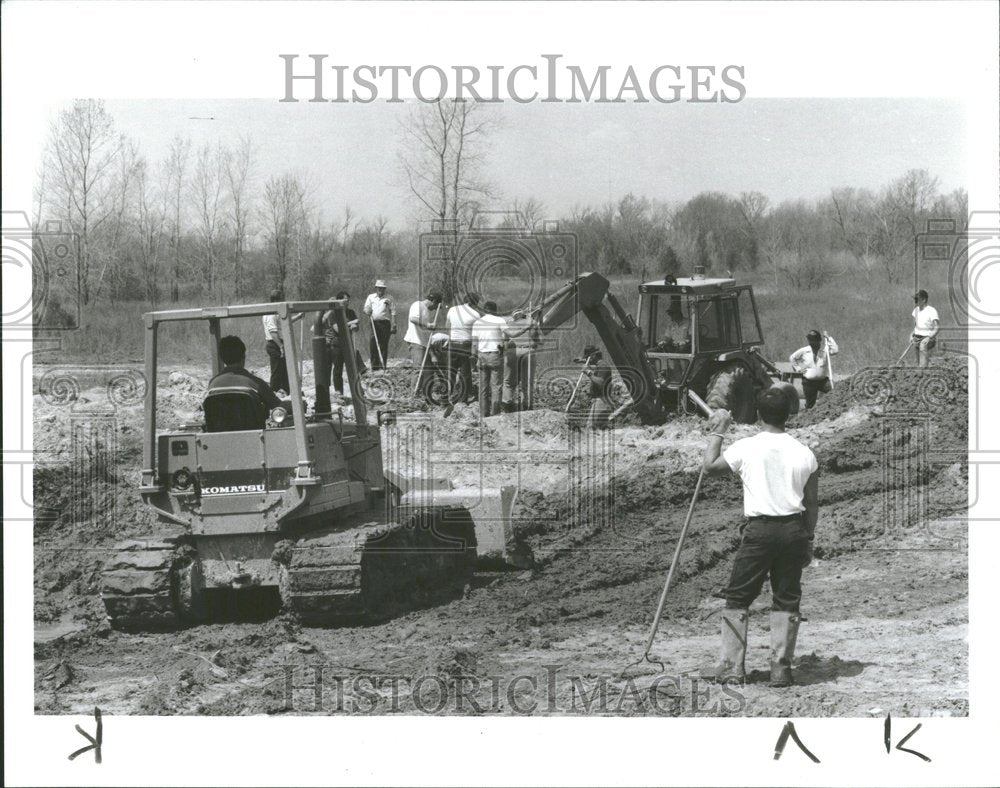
206 224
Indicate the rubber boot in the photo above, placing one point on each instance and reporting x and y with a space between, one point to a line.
731 664
784 631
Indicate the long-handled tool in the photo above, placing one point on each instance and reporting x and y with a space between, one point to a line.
829 362
576 388
908 346
427 350
378 345
676 559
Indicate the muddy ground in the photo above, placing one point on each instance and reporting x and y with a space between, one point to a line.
885 601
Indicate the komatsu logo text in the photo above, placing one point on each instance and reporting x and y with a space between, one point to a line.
232 488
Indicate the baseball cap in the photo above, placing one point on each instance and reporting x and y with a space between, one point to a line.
919 294
814 334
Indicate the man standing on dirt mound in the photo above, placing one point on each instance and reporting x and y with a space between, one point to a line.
488 348
424 319
925 328
381 311
813 361
461 318
780 500
274 346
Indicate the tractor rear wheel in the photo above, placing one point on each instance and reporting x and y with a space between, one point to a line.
732 388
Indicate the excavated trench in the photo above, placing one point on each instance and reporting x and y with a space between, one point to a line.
600 513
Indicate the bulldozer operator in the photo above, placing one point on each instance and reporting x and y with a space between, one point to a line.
236 398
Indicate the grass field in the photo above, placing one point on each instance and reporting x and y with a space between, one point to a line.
870 321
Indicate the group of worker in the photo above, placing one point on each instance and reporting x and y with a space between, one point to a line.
472 335
448 341
813 360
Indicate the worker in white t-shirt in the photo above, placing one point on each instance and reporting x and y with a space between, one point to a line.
488 342
460 319
274 346
424 318
925 328
813 361
780 500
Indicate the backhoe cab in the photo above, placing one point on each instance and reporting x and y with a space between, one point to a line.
703 335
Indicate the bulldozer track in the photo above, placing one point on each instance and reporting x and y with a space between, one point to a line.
139 586
377 570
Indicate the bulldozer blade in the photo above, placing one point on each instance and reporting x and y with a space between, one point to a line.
490 509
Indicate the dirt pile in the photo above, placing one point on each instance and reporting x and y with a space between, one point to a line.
601 510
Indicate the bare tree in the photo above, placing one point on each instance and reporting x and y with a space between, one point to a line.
531 210
443 150
151 206
83 149
852 213
284 212
176 167
238 170
206 196
345 233
115 259
911 197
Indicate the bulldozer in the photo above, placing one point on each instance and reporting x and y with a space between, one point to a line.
694 334
293 505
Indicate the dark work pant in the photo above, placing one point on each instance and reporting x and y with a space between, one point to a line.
771 545
460 358
337 367
380 339
279 372
813 387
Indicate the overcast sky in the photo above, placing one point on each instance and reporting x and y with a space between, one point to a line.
579 154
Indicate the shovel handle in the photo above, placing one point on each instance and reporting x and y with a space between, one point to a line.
680 539
673 564
576 388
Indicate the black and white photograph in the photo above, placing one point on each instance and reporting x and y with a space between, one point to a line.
411 392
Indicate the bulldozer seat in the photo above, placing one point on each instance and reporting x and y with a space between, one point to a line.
234 408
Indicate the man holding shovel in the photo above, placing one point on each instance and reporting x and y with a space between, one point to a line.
813 361
780 501
925 328
381 311
424 318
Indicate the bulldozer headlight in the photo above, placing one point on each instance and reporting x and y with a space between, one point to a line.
278 415
182 479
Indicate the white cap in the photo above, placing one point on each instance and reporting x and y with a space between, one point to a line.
379 283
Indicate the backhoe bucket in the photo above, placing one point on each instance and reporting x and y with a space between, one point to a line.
489 507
